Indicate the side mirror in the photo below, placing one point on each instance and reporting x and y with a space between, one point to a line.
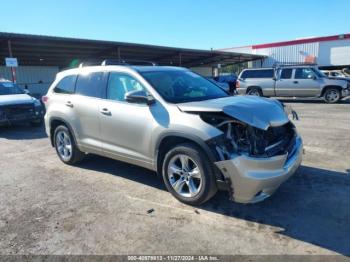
26 91
139 97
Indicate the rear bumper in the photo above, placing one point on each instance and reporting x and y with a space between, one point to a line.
254 179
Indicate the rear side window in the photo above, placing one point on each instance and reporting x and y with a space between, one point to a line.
286 73
66 85
92 84
265 73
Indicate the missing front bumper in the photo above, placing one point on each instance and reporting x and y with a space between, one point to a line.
255 179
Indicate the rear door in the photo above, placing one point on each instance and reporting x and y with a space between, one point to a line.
262 78
285 85
61 102
89 91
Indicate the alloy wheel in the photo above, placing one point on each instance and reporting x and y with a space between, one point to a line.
184 175
64 145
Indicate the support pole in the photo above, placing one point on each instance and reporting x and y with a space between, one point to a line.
180 59
13 69
118 53
10 47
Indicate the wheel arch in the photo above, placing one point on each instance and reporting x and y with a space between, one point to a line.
54 123
330 86
257 87
169 140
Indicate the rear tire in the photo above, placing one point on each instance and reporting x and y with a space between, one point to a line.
188 174
254 91
66 147
331 95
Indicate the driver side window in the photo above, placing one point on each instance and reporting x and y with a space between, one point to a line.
119 84
304 73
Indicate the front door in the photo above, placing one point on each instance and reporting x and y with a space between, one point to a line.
306 83
126 128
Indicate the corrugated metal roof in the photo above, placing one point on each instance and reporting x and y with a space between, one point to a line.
61 51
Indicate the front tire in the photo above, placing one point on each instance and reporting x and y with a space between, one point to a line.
331 95
65 146
254 91
188 175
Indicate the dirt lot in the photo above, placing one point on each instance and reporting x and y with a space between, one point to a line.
100 206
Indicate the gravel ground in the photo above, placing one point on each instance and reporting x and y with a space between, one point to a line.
104 206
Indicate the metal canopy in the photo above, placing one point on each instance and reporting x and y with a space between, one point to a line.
39 50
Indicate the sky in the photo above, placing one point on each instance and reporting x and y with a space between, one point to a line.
199 24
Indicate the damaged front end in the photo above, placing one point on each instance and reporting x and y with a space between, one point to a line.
258 148
253 161
240 138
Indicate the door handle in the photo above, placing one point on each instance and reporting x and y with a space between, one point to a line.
105 111
69 104
295 82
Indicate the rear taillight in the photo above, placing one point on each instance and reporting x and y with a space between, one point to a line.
44 99
237 84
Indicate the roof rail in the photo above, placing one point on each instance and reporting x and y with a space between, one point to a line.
127 62
116 62
277 64
89 63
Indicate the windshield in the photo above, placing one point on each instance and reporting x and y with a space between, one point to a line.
8 88
319 73
180 86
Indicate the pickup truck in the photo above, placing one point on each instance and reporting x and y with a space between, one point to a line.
292 81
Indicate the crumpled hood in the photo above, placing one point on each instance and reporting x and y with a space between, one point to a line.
255 111
15 99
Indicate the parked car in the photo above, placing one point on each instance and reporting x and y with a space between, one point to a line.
229 79
334 73
292 81
224 86
338 75
17 106
177 123
346 71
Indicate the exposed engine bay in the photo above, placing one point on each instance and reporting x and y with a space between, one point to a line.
240 138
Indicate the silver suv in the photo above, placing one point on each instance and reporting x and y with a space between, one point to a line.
292 81
177 123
